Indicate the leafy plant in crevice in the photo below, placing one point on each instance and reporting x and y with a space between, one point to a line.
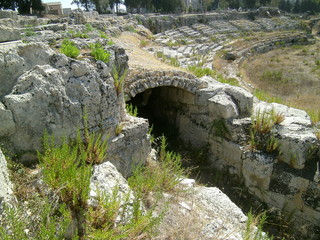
119 129
143 43
118 79
219 128
93 148
77 34
119 216
98 53
29 32
164 176
261 135
69 49
132 110
254 227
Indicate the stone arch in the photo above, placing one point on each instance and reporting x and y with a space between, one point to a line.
142 81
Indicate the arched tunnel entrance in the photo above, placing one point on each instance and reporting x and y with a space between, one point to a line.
162 106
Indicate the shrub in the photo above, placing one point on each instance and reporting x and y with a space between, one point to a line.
77 34
69 49
98 53
29 32
44 220
162 177
110 219
65 171
200 72
130 29
161 55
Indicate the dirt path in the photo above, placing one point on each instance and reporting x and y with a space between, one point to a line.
139 58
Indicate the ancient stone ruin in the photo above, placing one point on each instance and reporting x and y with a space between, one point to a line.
42 89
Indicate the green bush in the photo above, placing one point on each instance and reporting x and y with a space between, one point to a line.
73 34
66 171
110 219
69 49
98 53
163 177
45 220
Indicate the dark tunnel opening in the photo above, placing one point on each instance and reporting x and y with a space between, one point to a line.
159 108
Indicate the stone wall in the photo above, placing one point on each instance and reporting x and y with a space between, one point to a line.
285 180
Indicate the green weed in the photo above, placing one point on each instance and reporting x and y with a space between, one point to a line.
254 227
43 221
261 135
89 27
98 53
174 62
130 29
69 49
118 79
161 177
143 43
264 96
132 110
219 127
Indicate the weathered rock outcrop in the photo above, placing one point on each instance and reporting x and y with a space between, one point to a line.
5 183
42 90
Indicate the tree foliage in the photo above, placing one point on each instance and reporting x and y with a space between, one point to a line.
23 6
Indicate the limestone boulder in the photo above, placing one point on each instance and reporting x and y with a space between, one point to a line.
131 146
225 219
7 123
9 34
105 180
208 214
5 183
54 98
223 106
15 59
